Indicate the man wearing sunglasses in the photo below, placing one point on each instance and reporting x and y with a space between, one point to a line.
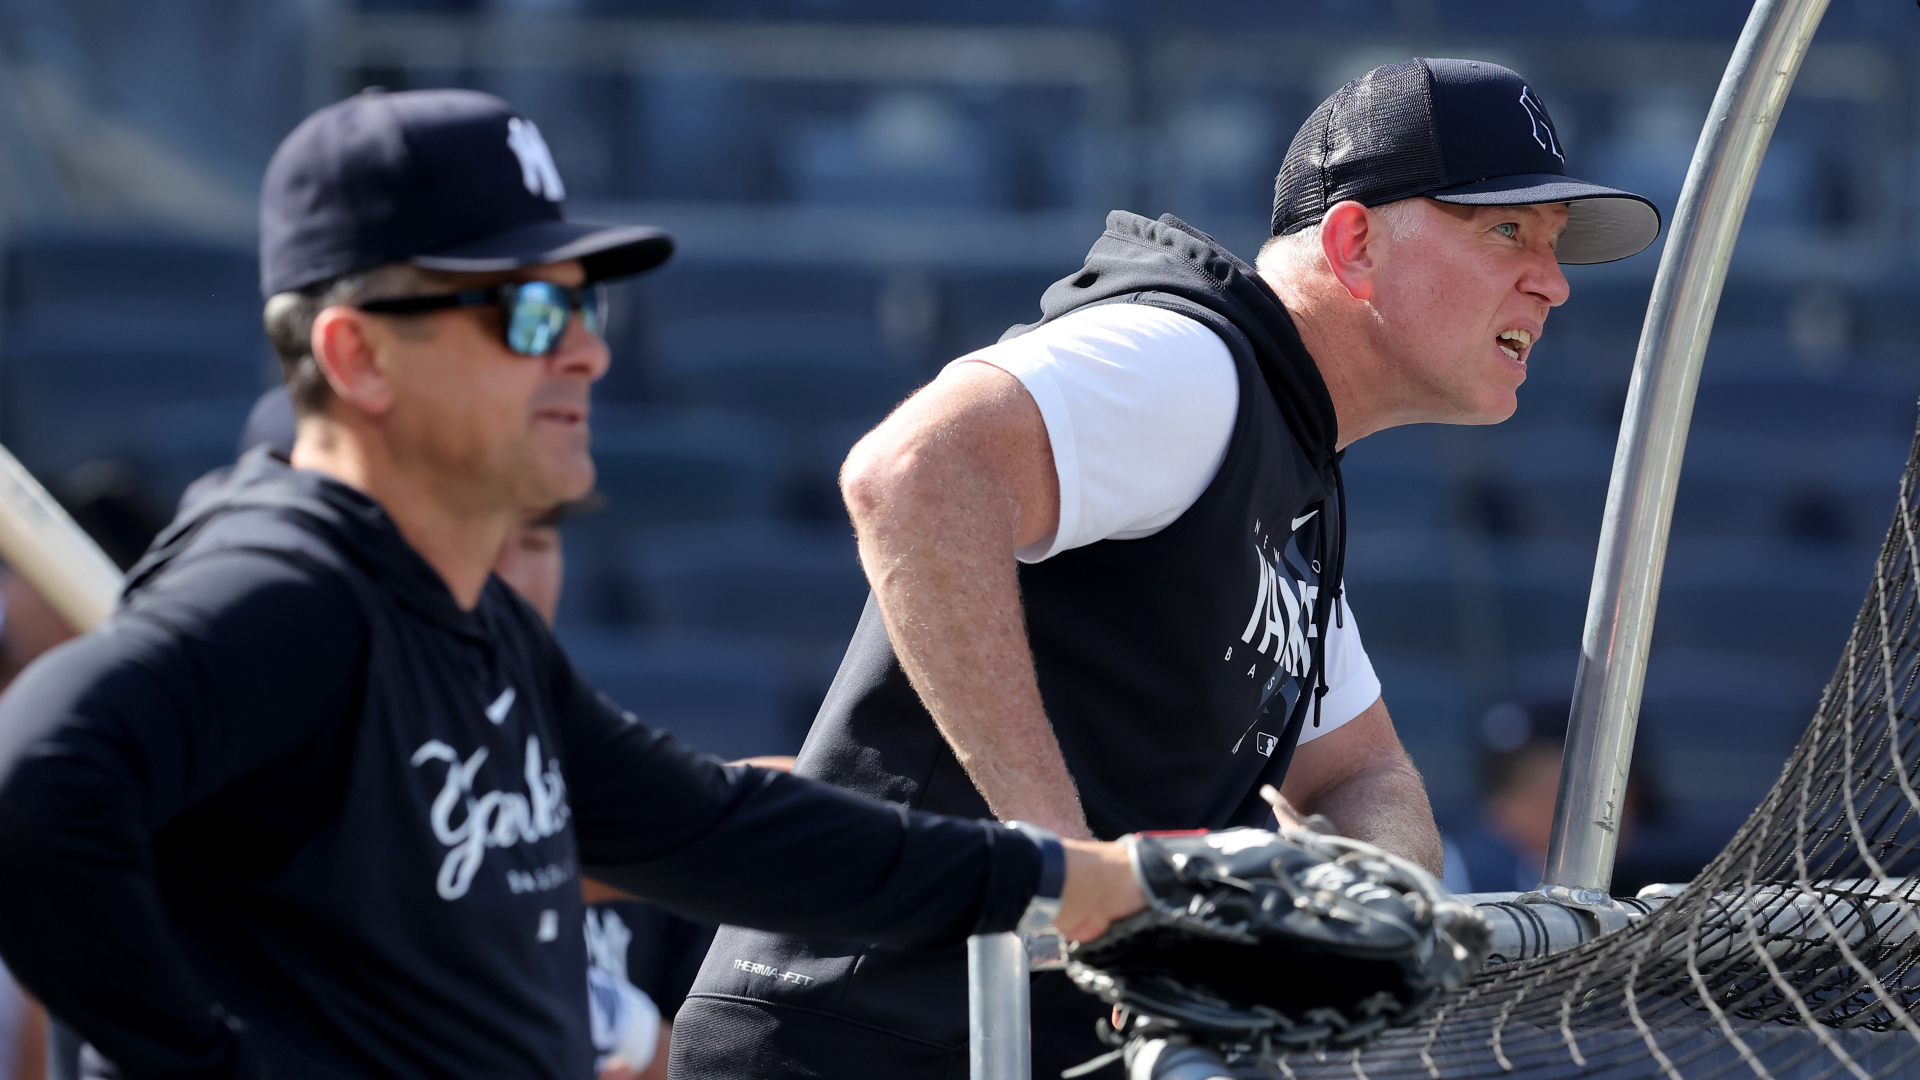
316 800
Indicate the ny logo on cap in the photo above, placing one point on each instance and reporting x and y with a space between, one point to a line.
537 170
1542 127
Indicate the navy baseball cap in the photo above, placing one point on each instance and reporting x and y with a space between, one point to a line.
442 179
1458 131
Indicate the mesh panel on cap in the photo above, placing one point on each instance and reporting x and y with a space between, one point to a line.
1298 192
1372 142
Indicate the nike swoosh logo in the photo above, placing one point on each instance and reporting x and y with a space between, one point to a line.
497 712
1302 520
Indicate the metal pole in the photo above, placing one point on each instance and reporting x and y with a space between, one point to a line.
999 1045
1653 434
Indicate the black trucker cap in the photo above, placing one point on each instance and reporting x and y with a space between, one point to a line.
442 179
1459 131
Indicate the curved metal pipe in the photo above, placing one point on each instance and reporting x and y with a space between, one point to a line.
999 1042
1653 435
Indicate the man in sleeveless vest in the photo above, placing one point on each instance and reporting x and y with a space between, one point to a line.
1106 552
315 802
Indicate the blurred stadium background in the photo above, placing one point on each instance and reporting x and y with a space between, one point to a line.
864 190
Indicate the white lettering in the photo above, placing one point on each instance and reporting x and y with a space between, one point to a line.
607 941
537 170
753 967
495 819
1277 621
550 876
1283 609
1260 601
497 712
1298 656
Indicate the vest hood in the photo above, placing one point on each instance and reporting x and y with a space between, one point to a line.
265 504
1139 255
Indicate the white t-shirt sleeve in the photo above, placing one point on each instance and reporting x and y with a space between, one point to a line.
1351 684
1139 404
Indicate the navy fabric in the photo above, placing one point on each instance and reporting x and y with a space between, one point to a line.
446 179
293 811
1490 863
1175 670
1460 131
270 424
664 953
1490 123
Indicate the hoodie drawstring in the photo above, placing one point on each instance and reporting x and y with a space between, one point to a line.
1334 570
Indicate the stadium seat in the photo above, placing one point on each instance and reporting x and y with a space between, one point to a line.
176 414
803 586
1555 477
725 694
1805 486
147 351
1803 407
156 273
1382 500
1758 597
804 371
660 466
1412 614
1716 699
1427 695
135 299
815 481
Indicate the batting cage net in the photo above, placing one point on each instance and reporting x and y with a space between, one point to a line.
1793 954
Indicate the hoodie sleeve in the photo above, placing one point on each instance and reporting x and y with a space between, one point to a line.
763 849
204 686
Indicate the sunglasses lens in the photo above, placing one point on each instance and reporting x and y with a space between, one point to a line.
593 308
537 319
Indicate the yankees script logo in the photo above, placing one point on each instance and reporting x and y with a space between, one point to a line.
468 824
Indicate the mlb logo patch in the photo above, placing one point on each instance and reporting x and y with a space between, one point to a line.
1265 743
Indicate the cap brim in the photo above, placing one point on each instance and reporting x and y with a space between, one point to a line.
606 251
1603 223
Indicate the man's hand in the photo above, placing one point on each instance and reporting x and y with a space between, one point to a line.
1283 810
942 494
1100 888
1360 777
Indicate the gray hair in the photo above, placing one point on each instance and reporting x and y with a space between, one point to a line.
289 320
1299 251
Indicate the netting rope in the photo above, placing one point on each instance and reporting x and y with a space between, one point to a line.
1795 955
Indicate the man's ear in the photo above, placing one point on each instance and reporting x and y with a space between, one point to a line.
1355 246
344 349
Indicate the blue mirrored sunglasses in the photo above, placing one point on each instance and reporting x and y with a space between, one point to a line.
533 314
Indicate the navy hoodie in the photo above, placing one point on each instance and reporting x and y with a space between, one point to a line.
293 812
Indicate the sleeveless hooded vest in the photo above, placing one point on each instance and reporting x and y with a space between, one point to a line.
1177 671
1172 666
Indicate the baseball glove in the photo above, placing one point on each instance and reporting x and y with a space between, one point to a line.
1267 943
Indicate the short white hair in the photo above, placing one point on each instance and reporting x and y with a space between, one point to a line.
1299 251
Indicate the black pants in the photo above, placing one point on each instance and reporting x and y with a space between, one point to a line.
726 1037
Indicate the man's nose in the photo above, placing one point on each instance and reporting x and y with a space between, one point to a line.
1547 281
582 353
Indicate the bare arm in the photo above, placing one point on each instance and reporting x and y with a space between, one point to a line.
941 495
1360 777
